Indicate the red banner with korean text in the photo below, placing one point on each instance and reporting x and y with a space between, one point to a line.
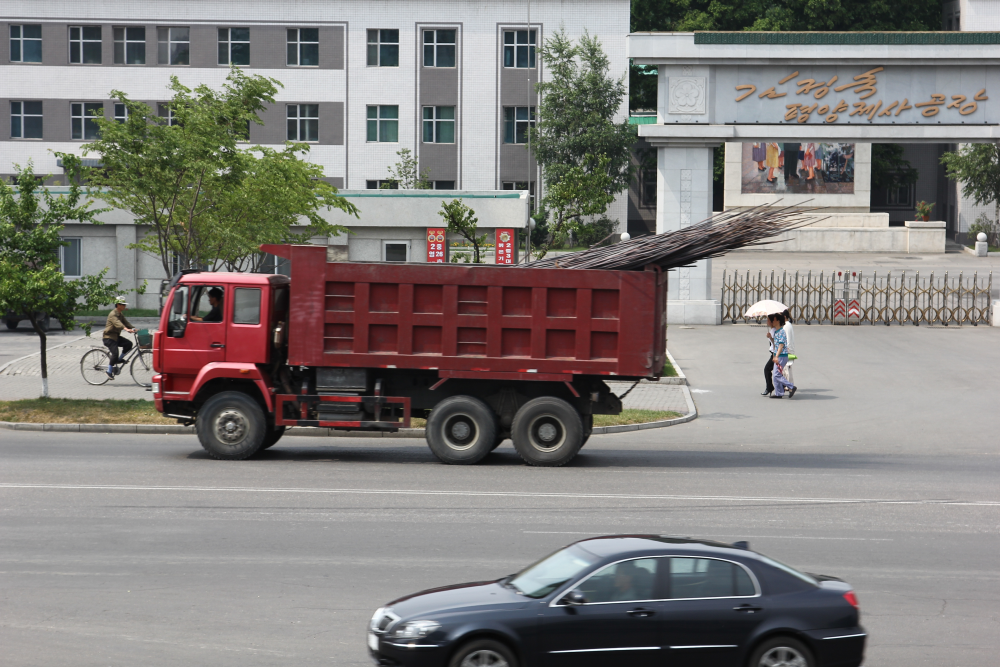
505 242
437 252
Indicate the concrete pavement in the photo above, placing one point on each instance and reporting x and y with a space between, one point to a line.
141 550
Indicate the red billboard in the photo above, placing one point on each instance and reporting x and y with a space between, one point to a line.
505 242
437 252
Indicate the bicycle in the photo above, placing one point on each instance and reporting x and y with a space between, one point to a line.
95 361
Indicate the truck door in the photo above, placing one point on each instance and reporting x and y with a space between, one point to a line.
199 335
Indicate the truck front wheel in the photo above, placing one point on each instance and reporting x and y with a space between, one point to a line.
547 431
231 426
461 430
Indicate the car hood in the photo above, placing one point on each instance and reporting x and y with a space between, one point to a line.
460 597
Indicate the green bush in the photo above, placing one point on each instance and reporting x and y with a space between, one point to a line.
987 226
595 232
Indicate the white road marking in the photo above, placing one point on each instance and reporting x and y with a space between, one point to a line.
506 494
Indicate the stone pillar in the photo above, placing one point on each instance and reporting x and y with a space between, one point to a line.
683 198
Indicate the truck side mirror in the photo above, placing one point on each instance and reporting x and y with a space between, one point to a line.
178 313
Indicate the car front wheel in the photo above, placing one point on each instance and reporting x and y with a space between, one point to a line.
782 652
483 653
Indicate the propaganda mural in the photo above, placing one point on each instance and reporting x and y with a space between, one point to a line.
810 168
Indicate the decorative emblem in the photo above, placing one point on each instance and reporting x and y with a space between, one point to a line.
687 95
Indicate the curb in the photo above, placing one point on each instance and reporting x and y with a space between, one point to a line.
309 431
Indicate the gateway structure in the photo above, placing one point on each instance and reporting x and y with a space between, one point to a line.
798 88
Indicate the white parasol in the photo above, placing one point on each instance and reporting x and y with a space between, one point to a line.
765 308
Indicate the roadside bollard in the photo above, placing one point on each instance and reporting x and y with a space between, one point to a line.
982 247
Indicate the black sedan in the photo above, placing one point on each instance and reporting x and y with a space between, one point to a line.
635 600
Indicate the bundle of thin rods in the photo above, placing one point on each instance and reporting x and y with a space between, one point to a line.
709 238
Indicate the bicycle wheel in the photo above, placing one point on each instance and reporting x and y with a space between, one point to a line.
94 366
142 368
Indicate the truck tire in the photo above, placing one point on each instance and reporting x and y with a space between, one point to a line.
588 428
272 437
547 431
461 430
231 426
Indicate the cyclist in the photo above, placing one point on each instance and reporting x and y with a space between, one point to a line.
115 325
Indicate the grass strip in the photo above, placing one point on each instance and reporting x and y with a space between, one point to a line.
81 411
138 411
668 370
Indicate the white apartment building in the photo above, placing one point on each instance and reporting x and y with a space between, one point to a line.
452 81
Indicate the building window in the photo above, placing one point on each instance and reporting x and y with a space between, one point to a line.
121 112
303 122
173 46
83 122
69 258
85 45
234 46
166 113
439 125
303 47
26 43
516 121
519 48
383 48
26 120
444 185
395 251
130 46
439 48
648 187
381 185
383 123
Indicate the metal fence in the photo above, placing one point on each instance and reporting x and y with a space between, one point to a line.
851 297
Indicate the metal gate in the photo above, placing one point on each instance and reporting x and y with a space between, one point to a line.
850 297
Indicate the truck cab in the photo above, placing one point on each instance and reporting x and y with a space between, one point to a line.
217 332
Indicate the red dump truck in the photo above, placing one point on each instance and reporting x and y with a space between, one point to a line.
483 352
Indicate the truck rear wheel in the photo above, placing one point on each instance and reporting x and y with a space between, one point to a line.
547 431
231 426
461 430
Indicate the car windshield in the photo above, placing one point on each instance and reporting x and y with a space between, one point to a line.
788 569
548 574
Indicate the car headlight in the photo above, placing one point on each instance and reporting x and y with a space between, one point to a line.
414 629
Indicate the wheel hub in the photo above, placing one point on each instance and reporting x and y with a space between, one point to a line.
783 656
547 432
231 426
460 432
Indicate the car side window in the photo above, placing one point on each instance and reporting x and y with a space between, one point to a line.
626 581
708 578
246 305
207 303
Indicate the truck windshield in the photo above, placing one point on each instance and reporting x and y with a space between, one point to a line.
548 574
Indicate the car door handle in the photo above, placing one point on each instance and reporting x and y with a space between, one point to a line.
217 345
641 613
748 609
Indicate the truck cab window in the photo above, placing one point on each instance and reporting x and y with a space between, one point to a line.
207 303
246 306
178 313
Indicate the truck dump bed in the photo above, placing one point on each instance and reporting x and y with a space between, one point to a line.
474 321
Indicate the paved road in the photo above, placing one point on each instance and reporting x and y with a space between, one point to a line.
140 550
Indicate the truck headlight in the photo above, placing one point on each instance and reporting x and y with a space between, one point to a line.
156 387
414 629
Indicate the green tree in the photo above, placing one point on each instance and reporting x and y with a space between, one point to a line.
462 220
890 170
31 281
977 168
405 175
185 177
584 154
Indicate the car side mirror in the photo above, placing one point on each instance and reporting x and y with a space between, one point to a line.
574 598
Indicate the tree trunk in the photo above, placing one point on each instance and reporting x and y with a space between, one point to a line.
42 340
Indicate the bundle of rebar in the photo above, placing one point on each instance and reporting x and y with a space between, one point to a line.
709 238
